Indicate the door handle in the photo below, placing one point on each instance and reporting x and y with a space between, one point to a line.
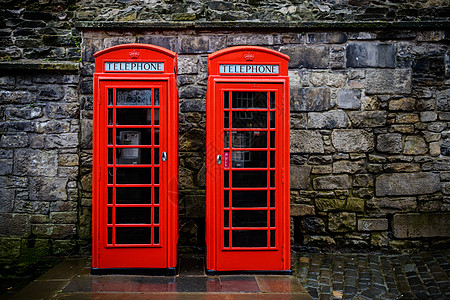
164 156
219 159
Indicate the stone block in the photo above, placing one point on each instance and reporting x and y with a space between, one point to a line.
342 222
443 100
392 205
6 166
186 178
64 140
70 217
387 81
389 143
404 184
195 206
363 55
313 224
9 248
19 140
302 210
6 200
35 162
300 177
327 120
310 57
59 231
351 167
14 225
31 207
355 204
404 104
372 224
48 188
329 204
193 140
187 65
306 141
352 140
192 106
310 99
335 182
349 99
27 113
428 116
407 118
415 145
192 92
193 44
416 225
368 119
326 38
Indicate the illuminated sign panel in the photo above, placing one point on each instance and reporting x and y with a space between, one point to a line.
248 69
139 66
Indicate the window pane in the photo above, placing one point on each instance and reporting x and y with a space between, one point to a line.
133 116
133 215
134 97
133 195
249 119
138 136
249 218
249 178
249 159
249 139
133 175
249 198
133 156
125 235
249 100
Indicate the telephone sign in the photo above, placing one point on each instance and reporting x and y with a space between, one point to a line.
247 183
135 159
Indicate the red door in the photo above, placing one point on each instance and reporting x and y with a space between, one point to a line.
250 209
133 174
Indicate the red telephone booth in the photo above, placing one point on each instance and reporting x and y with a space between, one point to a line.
135 160
247 183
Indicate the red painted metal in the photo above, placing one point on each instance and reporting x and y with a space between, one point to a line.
130 178
247 192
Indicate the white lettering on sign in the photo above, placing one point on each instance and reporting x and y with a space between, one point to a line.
248 69
139 66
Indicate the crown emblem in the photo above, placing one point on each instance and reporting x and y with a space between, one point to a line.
249 56
134 54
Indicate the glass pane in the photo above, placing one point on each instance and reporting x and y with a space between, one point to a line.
156 176
249 119
272 238
110 136
272 119
134 97
249 178
226 100
272 159
156 195
156 235
109 215
249 159
156 216
110 195
249 238
156 112
226 141
226 179
156 97
110 156
249 100
109 235
133 195
133 175
249 218
110 116
226 201
110 175
156 156
226 219
133 156
156 137
272 139
272 178
249 198
272 198
138 136
272 100
133 116
133 215
226 238
249 139
136 235
110 96
272 218
226 119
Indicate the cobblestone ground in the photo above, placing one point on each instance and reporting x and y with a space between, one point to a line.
376 276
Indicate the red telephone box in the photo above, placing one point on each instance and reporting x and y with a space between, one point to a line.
247 183
135 160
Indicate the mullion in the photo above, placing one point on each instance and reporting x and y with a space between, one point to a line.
114 140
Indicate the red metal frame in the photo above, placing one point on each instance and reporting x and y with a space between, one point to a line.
222 255
160 252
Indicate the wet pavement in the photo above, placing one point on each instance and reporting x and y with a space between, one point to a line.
317 276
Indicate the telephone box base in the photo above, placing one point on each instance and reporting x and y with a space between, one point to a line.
135 271
214 273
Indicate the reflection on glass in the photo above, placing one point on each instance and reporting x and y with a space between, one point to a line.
134 136
110 156
249 139
110 195
133 195
133 116
226 140
242 100
133 235
249 159
133 175
133 156
249 218
156 137
226 119
249 119
110 175
133 215
133 97
249 198
249 179
249 238
110 136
